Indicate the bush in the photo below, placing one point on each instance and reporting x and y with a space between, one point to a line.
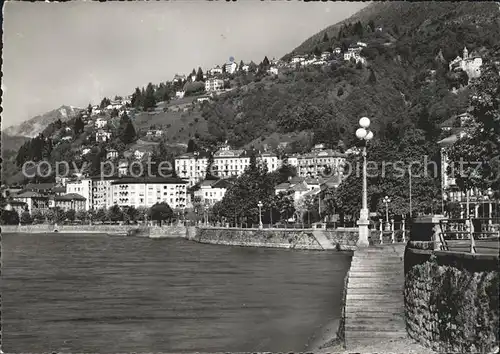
9 217
26 218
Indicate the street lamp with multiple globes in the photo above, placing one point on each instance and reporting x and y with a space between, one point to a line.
260 214
366 135
386 201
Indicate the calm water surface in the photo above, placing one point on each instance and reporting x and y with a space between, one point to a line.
108 294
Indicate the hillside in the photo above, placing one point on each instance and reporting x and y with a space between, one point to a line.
404 83
36 125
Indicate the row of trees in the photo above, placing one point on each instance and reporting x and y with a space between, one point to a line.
159 212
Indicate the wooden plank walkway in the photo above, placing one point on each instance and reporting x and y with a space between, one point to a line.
374 308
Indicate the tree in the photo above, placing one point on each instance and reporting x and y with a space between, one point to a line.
480 147
114 113
70 215
129 135
325 38
199 75
149 98
191 146
81 215
9 217
137 99
240 67
89 109
101 215
26 218
114 213
78 126
372 79
161 212
37 215
104 103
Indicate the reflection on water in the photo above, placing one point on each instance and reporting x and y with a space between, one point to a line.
107 294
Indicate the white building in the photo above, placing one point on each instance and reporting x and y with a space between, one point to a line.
154 133
123 168
111 154
191 167
471 64
179 78
231 67
271 160
212 191
354 53
100 123
82 187
325 55
145 192
216 70
319 162
214 85
180 94
245 67
297 59
273 70
101 192
102 136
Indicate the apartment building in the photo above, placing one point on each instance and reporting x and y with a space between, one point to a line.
191 167
319 162
82 187
212 191
145 192
101 192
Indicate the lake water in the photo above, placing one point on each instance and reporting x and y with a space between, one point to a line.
109 294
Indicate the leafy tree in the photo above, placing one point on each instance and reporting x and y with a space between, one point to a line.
26 218
9 217
480 147
101 215
37 215
161 212
81 215
70 215
114 213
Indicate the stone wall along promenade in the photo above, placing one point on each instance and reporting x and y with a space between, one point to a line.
451 300
275 238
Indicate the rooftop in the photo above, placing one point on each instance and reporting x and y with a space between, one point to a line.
148 180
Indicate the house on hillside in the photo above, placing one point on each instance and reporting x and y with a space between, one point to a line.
100 123
111 154
123 168
273 70
231 67
202 99
297 59
179 78
325 55
214 85
471 64
212 191
215 70
33 200
102 136
245 67
180 94
154 133
337 51
354 53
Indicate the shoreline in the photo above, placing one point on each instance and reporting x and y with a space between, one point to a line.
326 338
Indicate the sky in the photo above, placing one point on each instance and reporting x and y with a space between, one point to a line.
78 52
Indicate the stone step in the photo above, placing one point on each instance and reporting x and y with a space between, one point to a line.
360 305
351 335
375 314
370 297
380 326
376 271
365 262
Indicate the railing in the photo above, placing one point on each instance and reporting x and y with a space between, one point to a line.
470 235
390 232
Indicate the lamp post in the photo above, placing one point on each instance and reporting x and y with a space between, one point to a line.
490 206
260 214
386 201
366 135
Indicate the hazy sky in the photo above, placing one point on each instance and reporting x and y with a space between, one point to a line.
78 52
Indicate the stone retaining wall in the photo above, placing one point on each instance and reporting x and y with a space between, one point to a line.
451 300
274 238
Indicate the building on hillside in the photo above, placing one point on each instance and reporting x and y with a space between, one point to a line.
111 154
192 77
231 67
337 51
123 168
361 44
145 192
70 201
33 200
215 70
212 191
326 55
354 53
82 187
154 133
319 162
273 70
245 67
271 160
192 167
100 123
66 138
179 78
180 94
214 85
297 59
229 163
202 99
85 151
102 136
471 64
141 153
101 191
18 206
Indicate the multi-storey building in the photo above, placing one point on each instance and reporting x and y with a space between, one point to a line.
81 187
319 162
191 167
228 163
71 201
145 192
101 192
33 200
214 84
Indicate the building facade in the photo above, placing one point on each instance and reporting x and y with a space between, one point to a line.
214 85
82 187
